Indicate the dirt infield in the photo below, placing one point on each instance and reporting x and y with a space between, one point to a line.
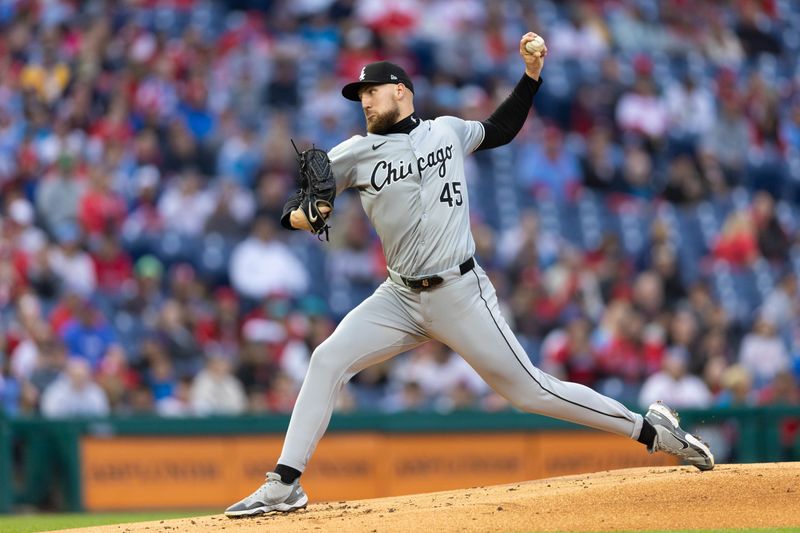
667 498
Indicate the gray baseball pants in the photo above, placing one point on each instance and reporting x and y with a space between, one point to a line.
462 313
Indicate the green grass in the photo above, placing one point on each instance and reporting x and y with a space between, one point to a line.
49 522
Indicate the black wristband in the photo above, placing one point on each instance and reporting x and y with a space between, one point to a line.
291 204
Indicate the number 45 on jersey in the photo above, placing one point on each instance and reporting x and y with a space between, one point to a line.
447 197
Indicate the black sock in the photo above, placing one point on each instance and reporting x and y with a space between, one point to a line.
648 434
287 473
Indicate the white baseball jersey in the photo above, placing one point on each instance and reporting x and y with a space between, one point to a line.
413 189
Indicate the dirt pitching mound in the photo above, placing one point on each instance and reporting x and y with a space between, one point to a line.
665 498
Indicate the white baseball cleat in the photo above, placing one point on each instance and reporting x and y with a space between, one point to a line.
273 495
670 438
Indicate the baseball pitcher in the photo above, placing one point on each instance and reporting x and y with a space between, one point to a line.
409 173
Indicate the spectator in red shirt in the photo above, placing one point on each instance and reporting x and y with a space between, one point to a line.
112 264
567 353
737 243
222 326
65 310
101 208
631 354
115 125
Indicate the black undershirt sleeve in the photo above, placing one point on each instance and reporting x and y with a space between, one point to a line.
291 204
508 118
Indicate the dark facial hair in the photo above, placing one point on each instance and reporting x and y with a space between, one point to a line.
384 121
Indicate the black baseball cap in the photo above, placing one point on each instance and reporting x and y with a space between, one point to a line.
378 73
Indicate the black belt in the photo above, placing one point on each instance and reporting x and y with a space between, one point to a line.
422 284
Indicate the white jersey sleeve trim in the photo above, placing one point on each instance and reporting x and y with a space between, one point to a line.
483 136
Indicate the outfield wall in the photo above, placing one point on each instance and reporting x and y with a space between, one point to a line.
207 472
150 463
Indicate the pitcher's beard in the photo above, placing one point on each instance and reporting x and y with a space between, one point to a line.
382 123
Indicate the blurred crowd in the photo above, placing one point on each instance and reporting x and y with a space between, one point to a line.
641 230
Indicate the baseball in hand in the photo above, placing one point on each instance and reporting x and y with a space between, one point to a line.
535 46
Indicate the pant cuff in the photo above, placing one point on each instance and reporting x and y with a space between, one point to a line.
638 421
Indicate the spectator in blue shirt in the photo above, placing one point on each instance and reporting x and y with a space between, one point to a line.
550 168
88 336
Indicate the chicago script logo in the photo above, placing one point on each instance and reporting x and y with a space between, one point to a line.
387 172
